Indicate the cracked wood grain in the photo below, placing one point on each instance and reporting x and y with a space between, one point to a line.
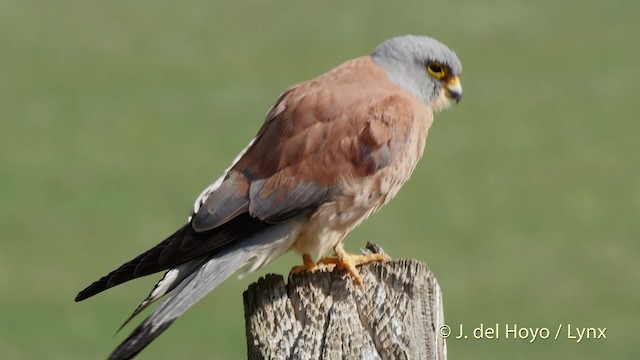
323 315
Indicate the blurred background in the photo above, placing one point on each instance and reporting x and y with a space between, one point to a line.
114 116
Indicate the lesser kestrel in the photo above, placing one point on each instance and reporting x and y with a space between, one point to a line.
332 151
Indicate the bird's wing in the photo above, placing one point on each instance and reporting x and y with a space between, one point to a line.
184 245
199 282
318 134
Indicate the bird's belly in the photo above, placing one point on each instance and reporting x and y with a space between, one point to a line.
334 220
359 198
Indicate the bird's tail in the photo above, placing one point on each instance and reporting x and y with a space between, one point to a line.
199 277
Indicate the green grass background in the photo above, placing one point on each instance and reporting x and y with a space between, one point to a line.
114 115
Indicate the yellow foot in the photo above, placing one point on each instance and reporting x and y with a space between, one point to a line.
308 265
348 262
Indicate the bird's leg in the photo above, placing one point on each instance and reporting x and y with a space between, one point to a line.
308 265
348 262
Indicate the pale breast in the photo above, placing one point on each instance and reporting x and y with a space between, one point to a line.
361 197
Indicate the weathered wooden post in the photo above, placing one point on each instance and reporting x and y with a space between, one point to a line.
324 315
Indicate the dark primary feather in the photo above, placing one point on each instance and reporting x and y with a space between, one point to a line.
184 271
198 284
184 245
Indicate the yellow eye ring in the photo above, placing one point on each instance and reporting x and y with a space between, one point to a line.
437 71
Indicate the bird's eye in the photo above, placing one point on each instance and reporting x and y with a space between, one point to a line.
437 71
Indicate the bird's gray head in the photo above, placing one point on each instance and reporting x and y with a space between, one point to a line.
423 66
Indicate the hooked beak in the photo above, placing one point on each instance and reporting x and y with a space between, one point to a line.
453 88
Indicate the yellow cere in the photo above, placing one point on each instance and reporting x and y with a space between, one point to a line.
453 81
